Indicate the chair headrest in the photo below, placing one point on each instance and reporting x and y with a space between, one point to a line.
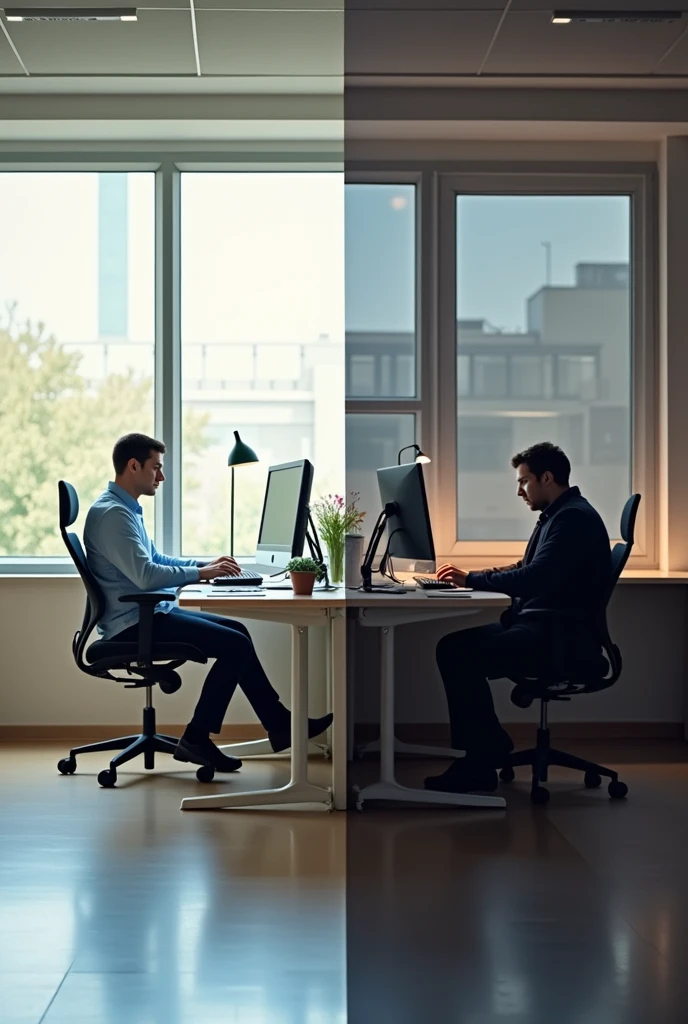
628 518
69 504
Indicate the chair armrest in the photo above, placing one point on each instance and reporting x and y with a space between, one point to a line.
146 603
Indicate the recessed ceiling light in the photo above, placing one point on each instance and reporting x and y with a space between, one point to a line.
72 14
600 17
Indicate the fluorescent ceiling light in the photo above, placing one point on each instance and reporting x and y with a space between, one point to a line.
72 14
600 17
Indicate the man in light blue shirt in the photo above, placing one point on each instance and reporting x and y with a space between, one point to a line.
124 560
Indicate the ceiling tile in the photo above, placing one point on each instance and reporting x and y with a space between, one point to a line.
182 5
9 65
259 6
246 43
676 62
409 42
531 44
160 42
483 6
599 5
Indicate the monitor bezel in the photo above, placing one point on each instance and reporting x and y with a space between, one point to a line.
275 554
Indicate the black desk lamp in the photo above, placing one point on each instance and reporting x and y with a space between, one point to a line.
420 455
240 455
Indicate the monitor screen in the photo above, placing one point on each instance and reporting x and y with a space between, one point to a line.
285 512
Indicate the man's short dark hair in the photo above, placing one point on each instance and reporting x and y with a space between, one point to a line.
134 446
540 458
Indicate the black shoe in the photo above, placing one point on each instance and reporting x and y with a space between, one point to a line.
280 738
206 753
464 776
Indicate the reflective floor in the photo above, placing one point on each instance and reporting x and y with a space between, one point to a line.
117 908
573 914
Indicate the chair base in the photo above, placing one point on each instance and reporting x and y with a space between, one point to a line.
541 757
148 743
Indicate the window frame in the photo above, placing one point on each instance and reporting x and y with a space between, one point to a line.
168 166
639 183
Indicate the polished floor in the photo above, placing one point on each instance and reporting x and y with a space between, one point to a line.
117 908
573 914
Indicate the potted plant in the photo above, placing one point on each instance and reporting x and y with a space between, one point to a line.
303 573
337 519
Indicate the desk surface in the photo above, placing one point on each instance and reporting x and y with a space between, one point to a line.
196 594
420 599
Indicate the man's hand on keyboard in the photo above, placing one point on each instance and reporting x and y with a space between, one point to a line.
450 574
222 566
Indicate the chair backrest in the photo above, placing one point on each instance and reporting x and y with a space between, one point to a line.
95 602
621 551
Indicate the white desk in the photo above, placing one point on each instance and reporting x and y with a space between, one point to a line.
325 610
385 612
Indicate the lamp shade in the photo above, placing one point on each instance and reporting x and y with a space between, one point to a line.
241 454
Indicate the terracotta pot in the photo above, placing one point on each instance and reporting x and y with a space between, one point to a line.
302 583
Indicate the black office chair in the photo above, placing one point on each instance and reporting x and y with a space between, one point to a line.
142 659
527 690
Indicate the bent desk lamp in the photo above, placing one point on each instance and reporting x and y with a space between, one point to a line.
240 455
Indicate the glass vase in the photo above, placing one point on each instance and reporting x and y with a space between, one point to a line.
335 550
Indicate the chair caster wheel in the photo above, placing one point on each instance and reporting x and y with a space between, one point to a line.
507 775
539 795
617 790
206 773
107 778
592 780
67 766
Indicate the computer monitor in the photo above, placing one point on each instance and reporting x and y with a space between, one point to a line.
409 528
284 518
405 516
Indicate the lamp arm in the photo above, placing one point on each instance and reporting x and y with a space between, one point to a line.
405 450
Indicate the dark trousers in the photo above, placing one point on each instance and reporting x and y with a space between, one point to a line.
467 660
236 664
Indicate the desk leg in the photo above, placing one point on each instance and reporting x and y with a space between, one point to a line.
298 790
338 674
387 788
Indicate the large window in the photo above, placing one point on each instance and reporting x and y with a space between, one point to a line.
77 306
262 331
547 276
383 384
533 319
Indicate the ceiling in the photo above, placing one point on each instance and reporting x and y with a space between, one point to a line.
295 43
305 46
488 39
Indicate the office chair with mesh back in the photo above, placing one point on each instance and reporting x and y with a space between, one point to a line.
142 658
527 690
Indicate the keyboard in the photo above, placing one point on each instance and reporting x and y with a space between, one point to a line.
427 584
247 578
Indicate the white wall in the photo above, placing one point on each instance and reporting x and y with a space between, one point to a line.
647 621
41 685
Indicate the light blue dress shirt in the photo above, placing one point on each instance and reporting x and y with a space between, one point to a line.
123 559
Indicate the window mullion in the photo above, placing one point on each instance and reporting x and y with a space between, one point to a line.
168 352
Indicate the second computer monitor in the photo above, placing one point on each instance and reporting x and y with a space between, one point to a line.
285 513
408 527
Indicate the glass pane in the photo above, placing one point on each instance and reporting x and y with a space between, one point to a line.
372 442
77 311
380 291
543 351
263 304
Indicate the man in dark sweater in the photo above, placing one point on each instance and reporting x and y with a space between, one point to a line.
559 591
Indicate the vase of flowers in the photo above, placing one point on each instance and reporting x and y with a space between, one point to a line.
336 518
